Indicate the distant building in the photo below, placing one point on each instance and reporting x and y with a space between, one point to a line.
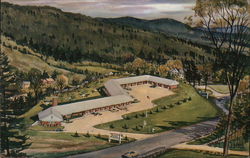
48 81
15 97
118 98
26 84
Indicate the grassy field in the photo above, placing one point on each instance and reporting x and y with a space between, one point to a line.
192 154
172 112
220 88
33 59
47 144
96 69
25 62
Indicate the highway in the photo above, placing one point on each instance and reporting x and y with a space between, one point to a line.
166 139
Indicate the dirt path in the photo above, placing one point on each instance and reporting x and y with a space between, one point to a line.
220 98
143 93
215 93
185 146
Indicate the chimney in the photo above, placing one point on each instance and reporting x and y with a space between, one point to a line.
54 101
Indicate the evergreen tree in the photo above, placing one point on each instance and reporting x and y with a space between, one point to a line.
45 75
12 143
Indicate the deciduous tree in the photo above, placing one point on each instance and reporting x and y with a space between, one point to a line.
35 77
226 25
62 81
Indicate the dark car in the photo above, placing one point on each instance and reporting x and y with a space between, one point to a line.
58 130
131 154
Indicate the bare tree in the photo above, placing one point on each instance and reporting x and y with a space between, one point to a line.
226 25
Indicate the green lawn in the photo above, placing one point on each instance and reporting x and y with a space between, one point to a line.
65 144
192 154
220 88
178 113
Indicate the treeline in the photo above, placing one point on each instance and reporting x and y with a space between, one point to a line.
74 37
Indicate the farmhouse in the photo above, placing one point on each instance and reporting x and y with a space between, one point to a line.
118 98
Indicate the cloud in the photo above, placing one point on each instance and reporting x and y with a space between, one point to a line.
148 9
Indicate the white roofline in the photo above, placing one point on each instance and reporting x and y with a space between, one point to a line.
113 86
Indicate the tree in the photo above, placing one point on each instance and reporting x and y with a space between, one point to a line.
139 64
45 75
175 64
55 74
62 81
12 143
244 84
206 71
35 77
76 80
163 70
226 26
191 72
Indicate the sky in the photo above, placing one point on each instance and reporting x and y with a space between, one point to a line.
145 9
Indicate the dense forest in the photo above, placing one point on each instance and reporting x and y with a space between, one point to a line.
75 37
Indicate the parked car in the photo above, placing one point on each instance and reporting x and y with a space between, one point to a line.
131 154
152 86
58 130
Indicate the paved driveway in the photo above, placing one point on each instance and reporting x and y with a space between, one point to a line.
141 92
166 139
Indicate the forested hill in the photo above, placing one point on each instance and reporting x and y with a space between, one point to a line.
75 37
168 26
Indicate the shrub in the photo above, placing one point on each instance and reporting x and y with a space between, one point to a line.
126 138
76 135
87 134
150 112
178 103
99 135
137 128
111 126
143 114
125 126
171 105
157 110
136 116
189 98
126 117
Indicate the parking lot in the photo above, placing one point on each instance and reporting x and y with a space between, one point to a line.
143 93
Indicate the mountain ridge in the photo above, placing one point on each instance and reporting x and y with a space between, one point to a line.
75 37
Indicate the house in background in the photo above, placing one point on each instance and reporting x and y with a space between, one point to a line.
48 81
26 84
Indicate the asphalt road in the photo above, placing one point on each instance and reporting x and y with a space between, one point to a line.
166 139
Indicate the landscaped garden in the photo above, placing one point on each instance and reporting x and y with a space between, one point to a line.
183 108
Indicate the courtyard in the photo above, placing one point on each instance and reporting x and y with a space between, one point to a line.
144 93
